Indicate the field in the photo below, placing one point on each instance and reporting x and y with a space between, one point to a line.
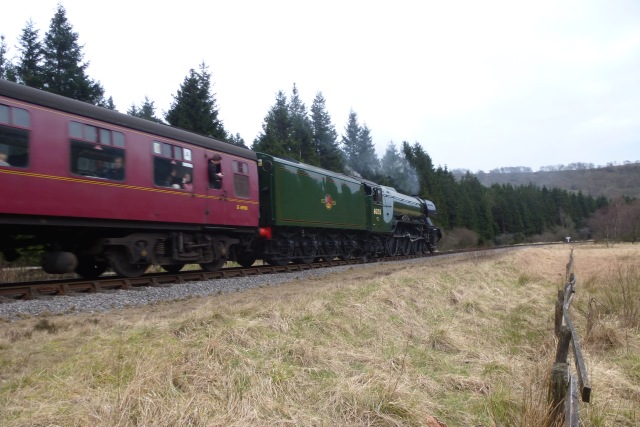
467 340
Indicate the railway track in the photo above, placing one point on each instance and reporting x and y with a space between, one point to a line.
38 289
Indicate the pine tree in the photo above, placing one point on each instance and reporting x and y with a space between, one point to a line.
194 106
146 111
350 140
397 172
63 70
423 165
236 140
107 103
301 133
274 138
29 69
7 70
325 137
368 162
359 149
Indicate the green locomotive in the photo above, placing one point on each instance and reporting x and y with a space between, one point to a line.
308 213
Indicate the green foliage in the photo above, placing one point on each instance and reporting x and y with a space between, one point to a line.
7 69
29 69
359 149
325 137
63 69
301 132
275 136
397 172
146 111
236 140
194 106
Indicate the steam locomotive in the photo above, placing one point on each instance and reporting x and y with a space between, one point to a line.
98 189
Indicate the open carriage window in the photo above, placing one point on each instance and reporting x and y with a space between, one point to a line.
172 166
14 136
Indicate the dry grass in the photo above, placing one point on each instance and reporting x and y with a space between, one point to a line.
467 339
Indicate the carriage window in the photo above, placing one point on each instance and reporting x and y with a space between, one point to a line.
4 114
169 169
75 130
14 139
241 179
97 152
118 139
91 134
21 117
105 136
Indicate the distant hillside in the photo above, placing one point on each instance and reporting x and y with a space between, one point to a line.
609 181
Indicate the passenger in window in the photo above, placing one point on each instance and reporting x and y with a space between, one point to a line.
173 180
101 171
3 160
187 182
117 172
215 172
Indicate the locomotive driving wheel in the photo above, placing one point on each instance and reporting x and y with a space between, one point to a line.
404 245
391 246
122 266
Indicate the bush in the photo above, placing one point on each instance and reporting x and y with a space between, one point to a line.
459 238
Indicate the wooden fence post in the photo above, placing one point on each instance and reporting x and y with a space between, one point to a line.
560 374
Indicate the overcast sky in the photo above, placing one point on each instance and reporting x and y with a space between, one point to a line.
479 84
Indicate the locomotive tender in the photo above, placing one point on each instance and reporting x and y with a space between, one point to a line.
102 189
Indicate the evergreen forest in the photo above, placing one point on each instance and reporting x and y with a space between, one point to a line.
470 213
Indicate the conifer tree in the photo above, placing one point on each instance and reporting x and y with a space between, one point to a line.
368 161
423 165
274 138
236 140
7 70
350 140
397 172
301 133
359 149
325 137
107 103
194 106
146 111
29 69
63 69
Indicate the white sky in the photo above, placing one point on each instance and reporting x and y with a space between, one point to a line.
480 84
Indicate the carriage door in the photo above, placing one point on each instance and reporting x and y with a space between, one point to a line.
377 218
218 189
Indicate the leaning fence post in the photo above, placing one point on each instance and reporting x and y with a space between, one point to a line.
559 311
560 374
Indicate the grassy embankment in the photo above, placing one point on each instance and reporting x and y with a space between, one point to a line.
467 339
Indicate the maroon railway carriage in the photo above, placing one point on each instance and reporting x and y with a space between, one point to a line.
98 188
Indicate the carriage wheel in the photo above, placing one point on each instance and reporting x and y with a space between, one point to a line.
214 265
347 248
277 262
120 263
172 268
307 250
246 259
89 268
